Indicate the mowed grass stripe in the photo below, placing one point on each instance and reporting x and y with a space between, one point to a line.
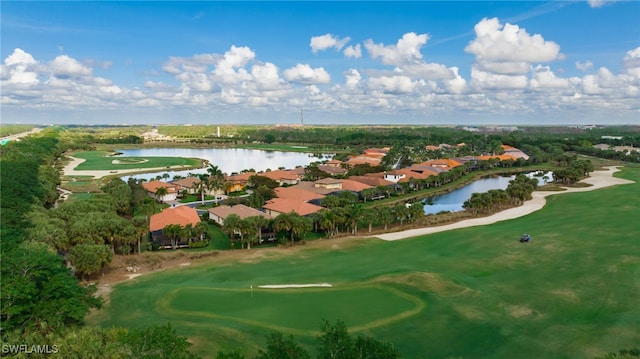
572 292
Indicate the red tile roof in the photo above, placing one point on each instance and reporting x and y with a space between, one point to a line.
284 205
240 210
351 185
499 157
189 182
371 180
153 186
181 215
297 194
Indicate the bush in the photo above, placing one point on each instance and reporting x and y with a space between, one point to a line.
199 244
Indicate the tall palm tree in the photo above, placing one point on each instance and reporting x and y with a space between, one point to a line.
161 192
173 232
202 185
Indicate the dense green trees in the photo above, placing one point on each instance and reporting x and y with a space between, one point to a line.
334 342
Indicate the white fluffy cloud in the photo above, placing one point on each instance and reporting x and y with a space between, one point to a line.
327 41
64 66
406 51
510 43
493 81
352 78
305 75
266 76
354 52
18 69
584 66
631 63
392 84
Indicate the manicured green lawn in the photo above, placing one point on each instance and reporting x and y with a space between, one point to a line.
573 292
99 160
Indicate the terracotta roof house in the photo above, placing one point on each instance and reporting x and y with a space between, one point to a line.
220 213
328 183
153 186
445 163
297 194
381 152
332 170
508 150
372 181
277 206
503 157
334 163
181 215
353 186
394 176
309 186
299 171
190 184
428 170
282 177
239 182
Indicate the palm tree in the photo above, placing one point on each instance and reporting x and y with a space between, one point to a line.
354 215
258 222
142 228
200 229
173 232
202 185
230 225
386 216
160 193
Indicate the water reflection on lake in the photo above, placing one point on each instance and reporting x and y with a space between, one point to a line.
229 160
454 200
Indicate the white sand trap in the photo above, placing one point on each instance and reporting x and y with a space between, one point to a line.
281 286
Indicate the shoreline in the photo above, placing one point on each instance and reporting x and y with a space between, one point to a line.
597 180
69 170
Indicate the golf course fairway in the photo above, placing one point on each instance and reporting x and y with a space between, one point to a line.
574 291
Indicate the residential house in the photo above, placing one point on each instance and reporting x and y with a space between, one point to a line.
332 170
283 177
334 163
372 181
298 194
394 176
153 186
189 184
515 152
181 215
277 206
238 182
220 213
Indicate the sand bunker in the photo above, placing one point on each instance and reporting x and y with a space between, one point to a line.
281 286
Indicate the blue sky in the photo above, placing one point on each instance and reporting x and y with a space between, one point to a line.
432 63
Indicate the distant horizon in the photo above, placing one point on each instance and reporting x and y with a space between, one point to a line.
352 62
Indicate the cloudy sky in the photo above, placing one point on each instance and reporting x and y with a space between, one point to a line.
502 62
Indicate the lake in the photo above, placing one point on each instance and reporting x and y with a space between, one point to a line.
229 160
454 200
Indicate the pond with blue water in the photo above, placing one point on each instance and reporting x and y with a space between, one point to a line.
453 201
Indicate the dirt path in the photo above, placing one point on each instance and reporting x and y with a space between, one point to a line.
598 179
